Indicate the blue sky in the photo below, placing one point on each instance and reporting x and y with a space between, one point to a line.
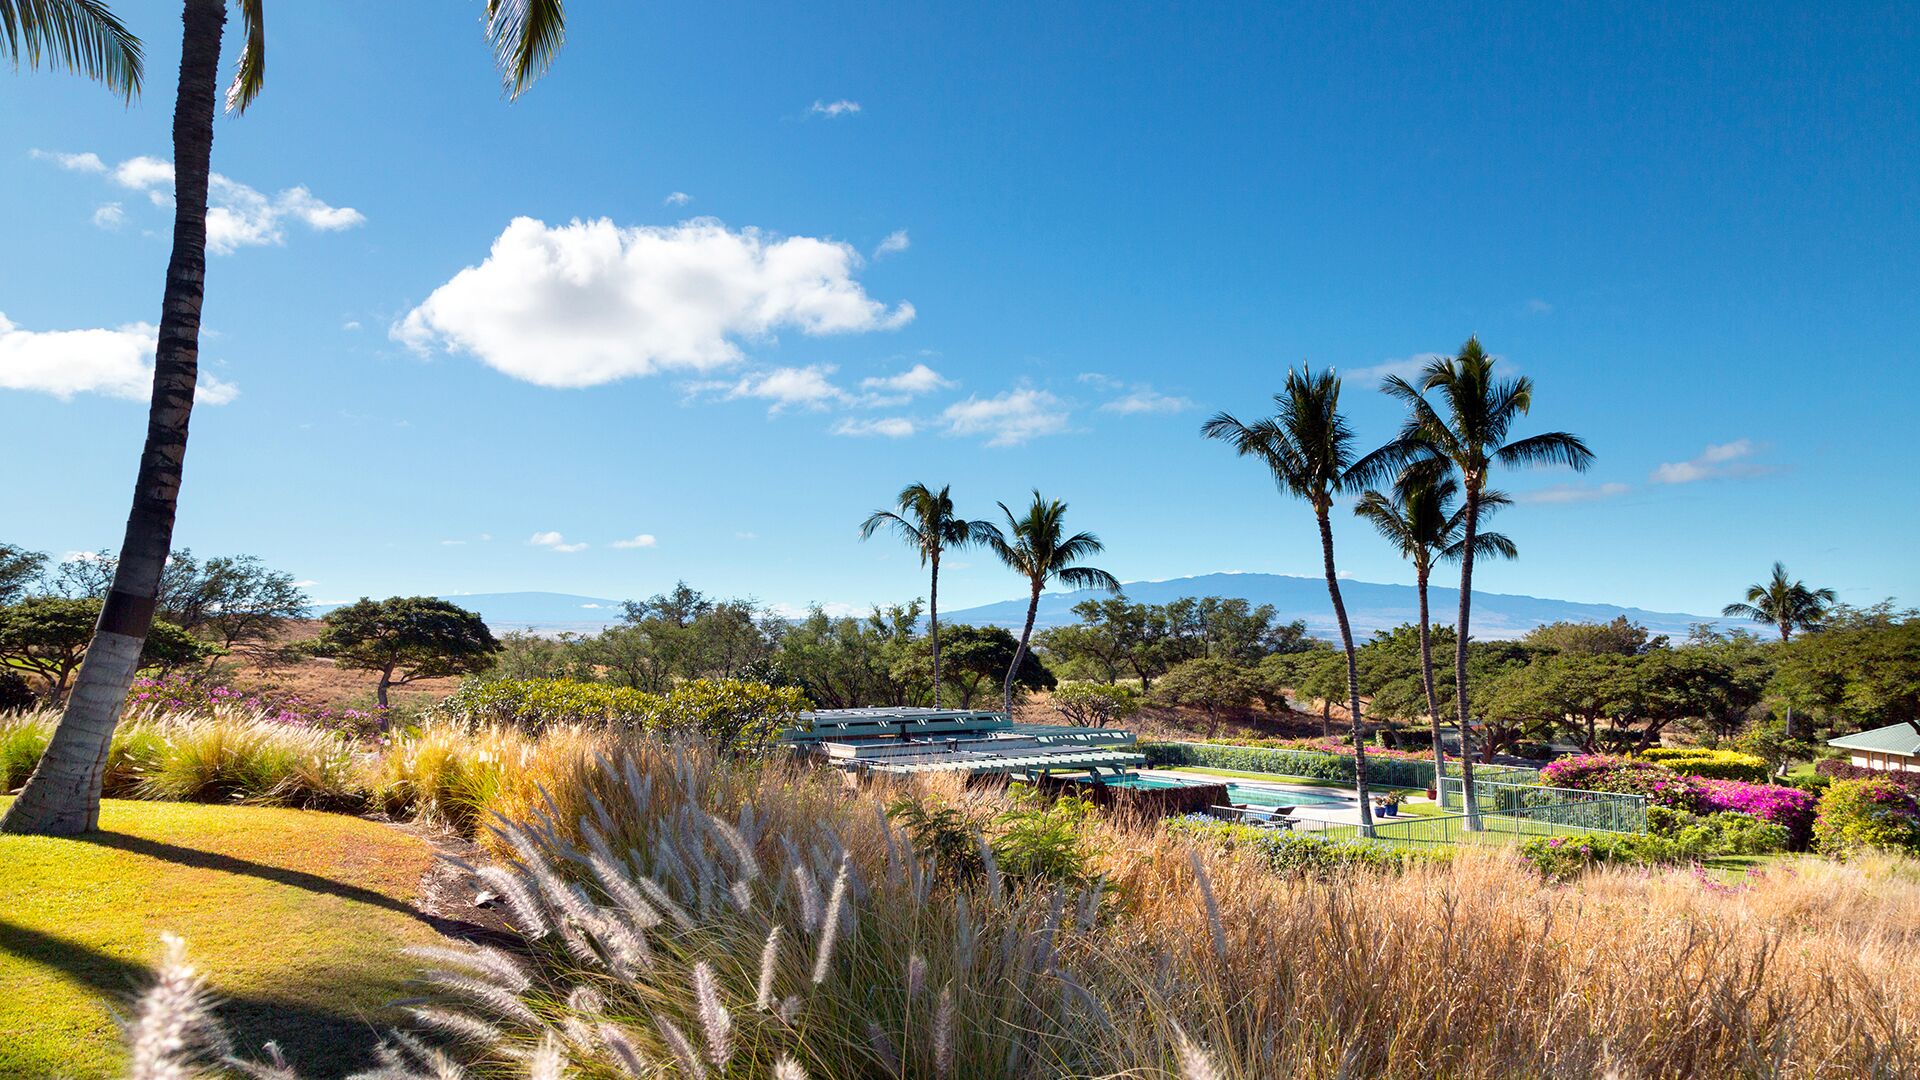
1695 230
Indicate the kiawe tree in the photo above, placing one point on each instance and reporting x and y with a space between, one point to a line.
406 638
1423 519
1469 439
1036 546
1307 446
62 797
927 522
49 635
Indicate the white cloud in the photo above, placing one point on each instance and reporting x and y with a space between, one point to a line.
87 162
1717 460
237 215
918 379
1537 306
453 543
308 584
553 541
1407 367
644 540
1146 400
588 302
833 110
678 198
746 536
892 427
1007 419
114 363
1572 493
834 609
350 324
110 216
806 387
895 243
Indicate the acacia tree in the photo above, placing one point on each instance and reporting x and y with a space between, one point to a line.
49 635
1423 520
1211 685
62 797
1469 440
19 572
927 523
1308 447
1036 546
405 639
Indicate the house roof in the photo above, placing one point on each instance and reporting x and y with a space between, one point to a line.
1898 738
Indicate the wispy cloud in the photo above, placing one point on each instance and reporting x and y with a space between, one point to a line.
1572 493
892 427
1404 366
1008 419
553 541
1717 461
1537 306
678 198
834 110
1134 399
916 380
809 387
238 215
644 540
895 243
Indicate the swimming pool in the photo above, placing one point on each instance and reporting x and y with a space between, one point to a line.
1238 794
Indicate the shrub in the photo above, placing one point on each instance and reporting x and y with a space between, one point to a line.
1602 772
1866 815
732 714
1092 704
1714 764
22 740
1314 761
1723 832
1788 807
1302 854
1841 769
1046 843
1562 858
15 694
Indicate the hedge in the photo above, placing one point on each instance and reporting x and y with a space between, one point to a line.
1845 770
1338 768
1712 764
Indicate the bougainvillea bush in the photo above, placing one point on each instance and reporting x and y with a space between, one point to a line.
177 695
1603 772
1858 816
1788 807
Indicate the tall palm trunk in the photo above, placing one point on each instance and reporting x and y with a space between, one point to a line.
933 624
1472 484
1020 654
62 797
1426 678
1353 672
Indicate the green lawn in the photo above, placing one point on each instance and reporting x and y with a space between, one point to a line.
295 917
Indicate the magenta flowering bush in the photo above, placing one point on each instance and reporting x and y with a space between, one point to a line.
1789 807
179 695
1603 772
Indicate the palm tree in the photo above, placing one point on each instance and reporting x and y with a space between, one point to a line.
1786 605
62 797
1469 441
1037 547
1308 448
1422 520
926 521
82 36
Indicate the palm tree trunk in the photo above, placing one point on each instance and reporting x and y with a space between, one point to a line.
62 797
1460 654
1426 679
1353 673
933 624
1020 654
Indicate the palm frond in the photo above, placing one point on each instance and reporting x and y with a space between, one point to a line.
1551 448
526 36
252 72
1744 611
1086 577
83 36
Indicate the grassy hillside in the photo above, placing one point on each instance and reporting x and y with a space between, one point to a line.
296 917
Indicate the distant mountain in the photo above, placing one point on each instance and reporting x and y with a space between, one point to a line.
1370 606
534 612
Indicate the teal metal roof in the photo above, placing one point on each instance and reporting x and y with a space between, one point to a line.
1898 738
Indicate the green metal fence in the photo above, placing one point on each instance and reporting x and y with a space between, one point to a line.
1605 811
1558 819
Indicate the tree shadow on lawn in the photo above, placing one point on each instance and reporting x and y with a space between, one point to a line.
299 879
319 1042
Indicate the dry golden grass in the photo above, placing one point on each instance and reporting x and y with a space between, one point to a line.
323 682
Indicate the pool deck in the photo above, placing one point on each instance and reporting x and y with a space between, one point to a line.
1347 813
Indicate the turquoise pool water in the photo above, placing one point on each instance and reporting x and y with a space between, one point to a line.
1238 794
